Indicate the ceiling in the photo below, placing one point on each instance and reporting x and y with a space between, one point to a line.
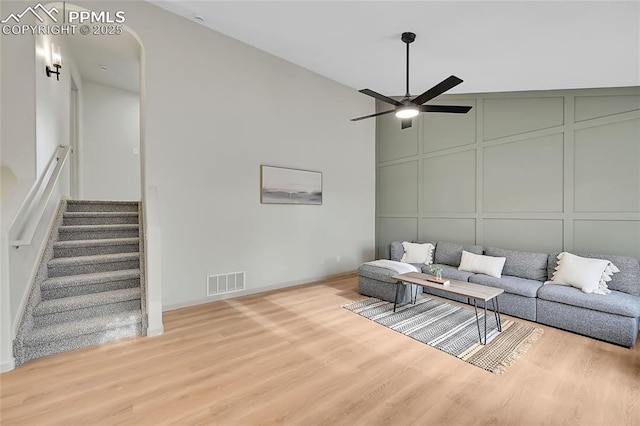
493 46
120 55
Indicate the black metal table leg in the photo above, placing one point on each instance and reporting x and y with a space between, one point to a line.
475 307
485 324
395 301
496 312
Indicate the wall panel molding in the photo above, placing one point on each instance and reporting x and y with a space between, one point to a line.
606 172
514 116
590 107
512 178
540 171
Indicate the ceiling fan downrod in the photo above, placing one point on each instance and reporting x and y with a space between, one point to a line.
408 38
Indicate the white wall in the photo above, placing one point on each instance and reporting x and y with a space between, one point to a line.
35 121
111 132
52 103
215 110
17 92
52 130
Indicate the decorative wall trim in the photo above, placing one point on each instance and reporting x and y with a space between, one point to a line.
519 194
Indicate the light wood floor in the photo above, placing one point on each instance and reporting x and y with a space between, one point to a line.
294 356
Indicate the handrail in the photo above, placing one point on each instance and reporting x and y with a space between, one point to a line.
28 217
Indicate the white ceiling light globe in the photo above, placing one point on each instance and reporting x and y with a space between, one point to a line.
407 112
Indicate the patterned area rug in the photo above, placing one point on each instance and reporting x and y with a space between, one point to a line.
453 329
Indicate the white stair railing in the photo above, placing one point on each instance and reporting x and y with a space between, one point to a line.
28 217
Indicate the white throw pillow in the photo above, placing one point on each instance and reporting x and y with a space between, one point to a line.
488 265
589 275
417 253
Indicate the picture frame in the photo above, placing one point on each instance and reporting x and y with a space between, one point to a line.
282 185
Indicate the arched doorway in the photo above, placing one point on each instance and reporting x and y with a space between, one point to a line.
105 117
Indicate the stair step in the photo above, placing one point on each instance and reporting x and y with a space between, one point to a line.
76 285
85 301
72 248
84 279
99 218
91 291
26 353
85 228
56 311
70 329
87 232
77 265
101 206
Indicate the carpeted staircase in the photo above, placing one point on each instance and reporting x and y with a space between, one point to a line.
88 288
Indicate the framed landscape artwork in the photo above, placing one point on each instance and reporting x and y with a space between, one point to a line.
281 185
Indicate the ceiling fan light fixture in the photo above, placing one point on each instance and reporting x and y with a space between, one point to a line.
409 107
407 112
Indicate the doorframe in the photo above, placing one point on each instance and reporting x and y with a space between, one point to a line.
74 137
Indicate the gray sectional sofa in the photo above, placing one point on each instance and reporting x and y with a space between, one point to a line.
614 317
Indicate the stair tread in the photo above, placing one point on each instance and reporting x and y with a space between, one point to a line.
68 329
85 279
108 227
85 301
96 242
100 214
93 259
98 202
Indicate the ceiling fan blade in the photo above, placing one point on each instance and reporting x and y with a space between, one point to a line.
455 109
405 123
372 115
437 90
380 97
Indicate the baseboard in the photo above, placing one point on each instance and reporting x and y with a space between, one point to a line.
307 281
8 365
155 332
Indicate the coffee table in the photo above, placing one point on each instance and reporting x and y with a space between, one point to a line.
469 290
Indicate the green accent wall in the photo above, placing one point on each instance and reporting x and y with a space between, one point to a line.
534 171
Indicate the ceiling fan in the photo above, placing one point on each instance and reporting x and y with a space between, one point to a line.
408 108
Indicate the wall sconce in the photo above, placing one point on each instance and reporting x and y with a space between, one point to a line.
56 62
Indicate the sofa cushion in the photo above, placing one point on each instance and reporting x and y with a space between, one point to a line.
449 272
514 285
451 253
522 264
377 273
481 264
396 250
627 280
588 275
616 302
418 253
